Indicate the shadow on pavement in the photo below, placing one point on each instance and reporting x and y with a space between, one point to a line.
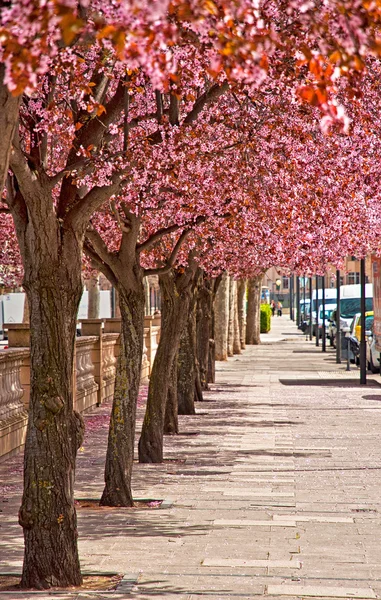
327 382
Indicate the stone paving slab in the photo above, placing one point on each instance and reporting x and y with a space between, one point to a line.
282 422
319 591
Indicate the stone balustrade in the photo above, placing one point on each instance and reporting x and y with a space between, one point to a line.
151 338
13 415
96 355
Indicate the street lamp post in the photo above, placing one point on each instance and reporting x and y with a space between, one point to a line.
278 283
362 321
310 293
317 309
291 284
323 337
338 311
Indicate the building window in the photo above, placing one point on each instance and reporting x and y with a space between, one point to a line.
285 283
353 277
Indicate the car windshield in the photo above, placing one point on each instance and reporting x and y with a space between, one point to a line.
328 313
350 306
327 301
369 322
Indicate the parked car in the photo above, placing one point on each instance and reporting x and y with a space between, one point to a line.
369 318
372 354
328 313
332 328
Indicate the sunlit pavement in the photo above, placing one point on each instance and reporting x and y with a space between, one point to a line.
272 489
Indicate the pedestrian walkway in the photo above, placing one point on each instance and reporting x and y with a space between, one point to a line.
271 491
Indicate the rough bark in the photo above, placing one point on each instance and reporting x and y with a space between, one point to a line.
253 328
221 307
241 301
171 421
204 327
120 448
212 345
52 280
232 287
9 113
117 304
236 339
187 363
176 295
26 313
94 297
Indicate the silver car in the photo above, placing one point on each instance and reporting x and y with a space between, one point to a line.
372 354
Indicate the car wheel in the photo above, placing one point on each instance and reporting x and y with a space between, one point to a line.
372 366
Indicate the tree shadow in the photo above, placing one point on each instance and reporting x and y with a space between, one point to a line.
376 398
345 383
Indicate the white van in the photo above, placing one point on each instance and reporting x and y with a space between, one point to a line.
12 307
350 302
329 301
329 309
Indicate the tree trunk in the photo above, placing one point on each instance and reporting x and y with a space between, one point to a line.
204 328
253 326
187 359
176 295
9 114
94 297
171 421
212 345
221 307
26 314
232 286
237 339
241 300
52 280
120 448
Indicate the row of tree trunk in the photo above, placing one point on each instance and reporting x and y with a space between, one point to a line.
197 313
232 329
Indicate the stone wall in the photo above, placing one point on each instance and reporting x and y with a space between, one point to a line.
96 355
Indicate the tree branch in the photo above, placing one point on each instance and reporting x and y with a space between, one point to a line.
171 260
81 162
174 110
159 106
99 264
91 133
26 178
99 246
80 214
206 98
165 231
126 126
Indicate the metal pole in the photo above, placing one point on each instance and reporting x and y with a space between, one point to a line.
348 354
362 321
297 301
113 302
292 297
338 311
310 308
324 339
317 309
304 297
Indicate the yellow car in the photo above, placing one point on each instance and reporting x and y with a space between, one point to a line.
369 316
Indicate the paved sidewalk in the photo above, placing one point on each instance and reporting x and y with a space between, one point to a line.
275 488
